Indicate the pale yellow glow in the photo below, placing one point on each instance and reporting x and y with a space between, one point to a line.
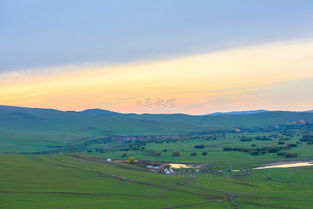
179 165
287 165
199 83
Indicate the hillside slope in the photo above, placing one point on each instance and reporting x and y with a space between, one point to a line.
257 120
112 123
32 119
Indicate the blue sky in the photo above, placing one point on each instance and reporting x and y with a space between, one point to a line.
37 33
206 55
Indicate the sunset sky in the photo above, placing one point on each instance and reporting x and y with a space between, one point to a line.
192 57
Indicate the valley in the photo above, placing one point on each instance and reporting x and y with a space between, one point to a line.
58 168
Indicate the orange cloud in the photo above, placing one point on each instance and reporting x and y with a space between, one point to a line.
200 79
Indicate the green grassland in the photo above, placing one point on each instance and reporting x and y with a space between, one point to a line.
214 149
35 130
81 181
53 159
30 141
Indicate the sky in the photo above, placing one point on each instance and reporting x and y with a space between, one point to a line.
163 56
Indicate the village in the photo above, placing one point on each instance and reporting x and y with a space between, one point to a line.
171 168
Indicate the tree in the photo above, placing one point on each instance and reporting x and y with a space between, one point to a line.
131 160
291 155
175 154
199 146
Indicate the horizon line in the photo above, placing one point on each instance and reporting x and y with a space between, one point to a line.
210 113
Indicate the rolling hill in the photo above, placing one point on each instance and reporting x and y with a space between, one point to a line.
97 121
231 121
109 123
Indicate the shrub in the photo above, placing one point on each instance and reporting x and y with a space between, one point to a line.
285 139
131 160
199 146
307 138
246 139
156 153
175 154
254 153
287 154
263 138
280 153
292 145
193 154
291 155
273 150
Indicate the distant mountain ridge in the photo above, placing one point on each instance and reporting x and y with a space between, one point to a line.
97 111
238 112
104 122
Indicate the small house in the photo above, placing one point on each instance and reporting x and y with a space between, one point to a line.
168 171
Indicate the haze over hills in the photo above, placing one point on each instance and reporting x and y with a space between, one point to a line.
238 112
97 111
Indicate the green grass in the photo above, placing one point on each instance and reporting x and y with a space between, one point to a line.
61 181
84 182
214 148
29 141
58 181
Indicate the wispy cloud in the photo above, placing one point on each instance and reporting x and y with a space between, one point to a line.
224 80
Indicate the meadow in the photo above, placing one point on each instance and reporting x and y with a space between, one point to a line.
83 181
58 160
212 147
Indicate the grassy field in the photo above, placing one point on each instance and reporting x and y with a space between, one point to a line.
56 160
29 141
213 148
79 181
38 142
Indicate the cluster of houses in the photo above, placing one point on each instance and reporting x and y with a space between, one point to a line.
177 168
160 169
142 138
186 169
169 168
